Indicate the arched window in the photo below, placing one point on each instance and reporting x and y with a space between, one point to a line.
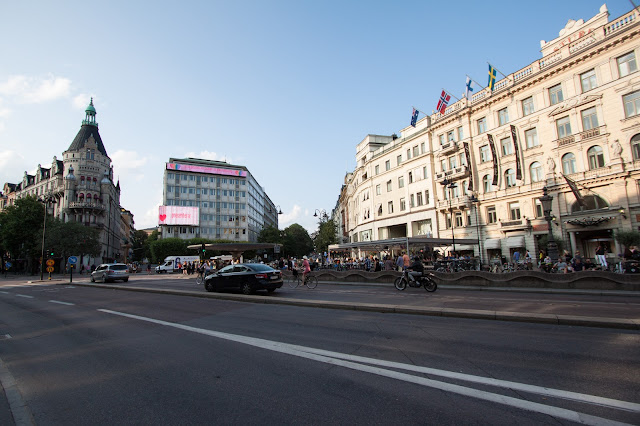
535 170
635 147
510 178
596 157
486 184
569 164
593 202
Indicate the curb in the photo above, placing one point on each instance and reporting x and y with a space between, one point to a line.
571 320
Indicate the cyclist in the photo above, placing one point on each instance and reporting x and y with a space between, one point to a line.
417 269
306 268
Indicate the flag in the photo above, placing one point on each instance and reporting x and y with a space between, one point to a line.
468 88
495 160
414 117
492 77
574 189
443 102
514 136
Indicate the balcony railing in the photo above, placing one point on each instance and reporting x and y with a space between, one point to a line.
454 174
587 134
447 148
86 205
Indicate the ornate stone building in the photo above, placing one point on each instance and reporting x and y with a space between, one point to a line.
81 184
569 121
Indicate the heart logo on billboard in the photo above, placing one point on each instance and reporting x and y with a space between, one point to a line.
163 217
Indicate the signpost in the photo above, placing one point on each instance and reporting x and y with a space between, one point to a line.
72 260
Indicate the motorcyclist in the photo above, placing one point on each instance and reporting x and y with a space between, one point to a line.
417 269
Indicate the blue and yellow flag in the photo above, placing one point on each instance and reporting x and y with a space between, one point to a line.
492 77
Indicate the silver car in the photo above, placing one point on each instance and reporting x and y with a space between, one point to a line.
110 272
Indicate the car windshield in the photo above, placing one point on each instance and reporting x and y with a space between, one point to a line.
226 269
259 267
119 267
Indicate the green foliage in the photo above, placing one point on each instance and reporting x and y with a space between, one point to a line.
167 247
627 238
326 235
21 228
270 234
139 243
72 238
297 241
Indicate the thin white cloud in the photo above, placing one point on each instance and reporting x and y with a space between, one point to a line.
82 100
291 217
35 90
207 155
128 160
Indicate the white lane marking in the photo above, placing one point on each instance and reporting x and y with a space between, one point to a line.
579 397
24 295
5 292
62 303
286 348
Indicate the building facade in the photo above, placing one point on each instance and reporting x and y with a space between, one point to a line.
569 122
81 186
213 200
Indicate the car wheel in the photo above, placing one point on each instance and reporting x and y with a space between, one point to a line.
271 290
125 280
247 288
208 285
93 280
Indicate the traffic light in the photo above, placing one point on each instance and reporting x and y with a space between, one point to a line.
203 248
51 254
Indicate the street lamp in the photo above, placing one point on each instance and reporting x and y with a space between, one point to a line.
47 200
323 214
552 247
448 184
278 209
476 203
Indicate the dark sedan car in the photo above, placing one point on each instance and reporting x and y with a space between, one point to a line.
246 277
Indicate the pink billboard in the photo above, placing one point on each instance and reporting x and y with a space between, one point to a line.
208 170
175 215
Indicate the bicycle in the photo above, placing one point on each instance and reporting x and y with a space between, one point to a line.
295 280
200 278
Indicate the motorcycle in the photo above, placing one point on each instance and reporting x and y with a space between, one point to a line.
425 280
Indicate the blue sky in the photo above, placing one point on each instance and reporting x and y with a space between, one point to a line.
286 88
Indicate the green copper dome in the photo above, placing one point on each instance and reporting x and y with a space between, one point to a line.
90 108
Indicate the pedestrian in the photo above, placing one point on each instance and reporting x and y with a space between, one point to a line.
600 255
527 259
388 263
399 262
516 256
406 261
148 268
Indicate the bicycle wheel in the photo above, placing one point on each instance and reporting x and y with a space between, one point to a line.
293 281
400 283
312 282
199 279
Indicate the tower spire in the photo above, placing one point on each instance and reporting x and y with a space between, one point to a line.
90 118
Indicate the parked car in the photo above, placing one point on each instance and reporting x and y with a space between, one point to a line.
246 277
110 272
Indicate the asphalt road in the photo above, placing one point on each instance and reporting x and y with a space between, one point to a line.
594 305
87 355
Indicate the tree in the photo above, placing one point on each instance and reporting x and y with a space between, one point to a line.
160 249
326 235
270 234
72 239
139 240
21 229
297 241
627 238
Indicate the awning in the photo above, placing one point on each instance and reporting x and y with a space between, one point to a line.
462 247
514 242
492 244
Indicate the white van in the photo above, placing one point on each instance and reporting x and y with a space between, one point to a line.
170 263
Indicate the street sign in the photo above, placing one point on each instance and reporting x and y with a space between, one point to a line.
49 269
72 260
276 249
51 262
7 264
